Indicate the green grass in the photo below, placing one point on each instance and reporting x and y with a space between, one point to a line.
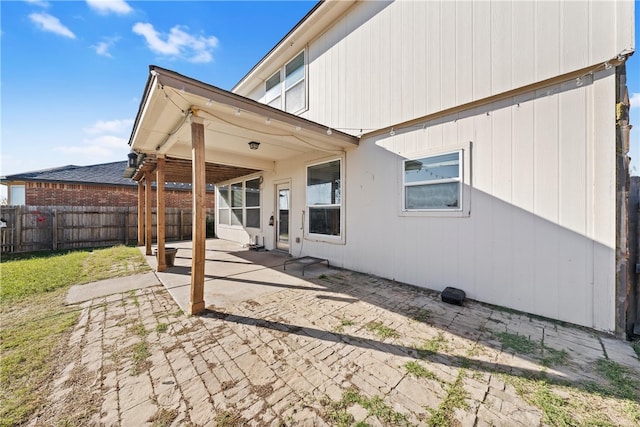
455 398
421 315
519 343
139 355
636 347
417 370
622 384
382 331
35 321
336 412
162 327
572 404
432 346
343 323
554 357
30 275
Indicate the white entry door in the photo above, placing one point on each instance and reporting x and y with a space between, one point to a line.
283 222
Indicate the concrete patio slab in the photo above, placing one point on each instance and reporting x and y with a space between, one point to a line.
234 273
275 349
102 288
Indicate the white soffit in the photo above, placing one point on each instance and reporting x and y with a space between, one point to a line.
231 122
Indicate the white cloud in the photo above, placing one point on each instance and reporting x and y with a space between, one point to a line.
634 101
51 24
41 3
103 47
110 126
104 7
107 141
178 43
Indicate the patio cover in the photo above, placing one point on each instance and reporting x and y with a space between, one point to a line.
189 131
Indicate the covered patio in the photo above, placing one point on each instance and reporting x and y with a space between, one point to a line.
234 274
190 132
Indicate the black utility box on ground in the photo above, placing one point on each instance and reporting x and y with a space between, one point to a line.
453 296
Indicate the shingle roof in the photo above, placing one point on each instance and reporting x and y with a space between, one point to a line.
104 174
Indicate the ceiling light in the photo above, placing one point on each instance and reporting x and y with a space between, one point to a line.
254 145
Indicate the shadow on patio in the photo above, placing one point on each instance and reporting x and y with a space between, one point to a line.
236 277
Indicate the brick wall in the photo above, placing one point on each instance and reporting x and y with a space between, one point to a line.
53 194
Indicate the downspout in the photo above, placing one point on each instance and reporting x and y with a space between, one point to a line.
625 296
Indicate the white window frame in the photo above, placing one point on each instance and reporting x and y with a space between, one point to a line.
11 196
282 93
464 178
339 239
229 208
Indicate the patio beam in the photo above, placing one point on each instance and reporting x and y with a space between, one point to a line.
160 223
199 215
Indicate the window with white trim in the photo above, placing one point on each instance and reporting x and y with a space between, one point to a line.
17 195
286 88
433 183
324 198
239 203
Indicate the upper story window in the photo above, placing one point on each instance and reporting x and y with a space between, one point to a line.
286 88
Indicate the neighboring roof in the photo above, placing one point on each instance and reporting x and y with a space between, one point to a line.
101 174
105 173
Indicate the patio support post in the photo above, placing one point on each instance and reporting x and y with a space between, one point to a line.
140 213
160 223
199 215
147 204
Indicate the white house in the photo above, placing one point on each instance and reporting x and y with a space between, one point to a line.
479 145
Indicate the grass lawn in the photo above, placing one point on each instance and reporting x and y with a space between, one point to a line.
34 320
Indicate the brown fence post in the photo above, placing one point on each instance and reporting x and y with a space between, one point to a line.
54 230
19 218
126 226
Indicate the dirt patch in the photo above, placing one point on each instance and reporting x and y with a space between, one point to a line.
262 390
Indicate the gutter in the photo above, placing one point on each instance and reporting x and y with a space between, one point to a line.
577 74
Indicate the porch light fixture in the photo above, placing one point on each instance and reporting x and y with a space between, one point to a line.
254 145
133 160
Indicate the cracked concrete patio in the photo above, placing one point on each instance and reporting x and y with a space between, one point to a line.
333 348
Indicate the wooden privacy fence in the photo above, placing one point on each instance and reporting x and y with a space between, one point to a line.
35 228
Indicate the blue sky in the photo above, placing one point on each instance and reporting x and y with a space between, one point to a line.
72 72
